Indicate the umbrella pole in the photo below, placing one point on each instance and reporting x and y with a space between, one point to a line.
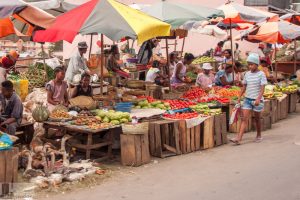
168 63
102 65
91 42
232 54
275 58
44 62
183 43
295 56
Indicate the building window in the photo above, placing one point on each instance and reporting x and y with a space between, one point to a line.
256 2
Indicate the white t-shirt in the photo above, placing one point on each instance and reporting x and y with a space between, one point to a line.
152 74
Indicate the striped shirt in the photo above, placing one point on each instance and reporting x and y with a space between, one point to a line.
253 82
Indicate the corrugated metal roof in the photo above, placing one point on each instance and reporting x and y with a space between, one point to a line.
256 2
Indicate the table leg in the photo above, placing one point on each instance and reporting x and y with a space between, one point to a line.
46 131
88 145
111 141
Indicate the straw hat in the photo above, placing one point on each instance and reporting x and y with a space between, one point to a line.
207 66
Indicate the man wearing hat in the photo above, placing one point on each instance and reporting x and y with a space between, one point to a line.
205 79
77 63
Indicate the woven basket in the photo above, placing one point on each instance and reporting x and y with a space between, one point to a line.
136 92
83 102
136 84
172 95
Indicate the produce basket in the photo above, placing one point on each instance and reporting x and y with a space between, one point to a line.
136 92
136 84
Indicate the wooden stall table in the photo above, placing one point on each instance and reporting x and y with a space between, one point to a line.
92 140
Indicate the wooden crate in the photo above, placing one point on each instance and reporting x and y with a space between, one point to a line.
282 108
190 138
293 100
274 105
134 149
164 138
265 121
8 170
235 127
207 136
267 108
220 129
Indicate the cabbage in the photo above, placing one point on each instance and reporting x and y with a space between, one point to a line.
115 122
124 120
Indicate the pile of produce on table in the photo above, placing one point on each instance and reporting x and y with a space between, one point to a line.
113 117
194 93
286 88
185 115
60 115
179 104
203 59
229 92
204 109
144 104
192 76
90 122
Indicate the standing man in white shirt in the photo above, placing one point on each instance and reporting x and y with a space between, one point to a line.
77 64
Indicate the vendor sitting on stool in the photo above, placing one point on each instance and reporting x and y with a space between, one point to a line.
84 88
154 75
12 108
57 89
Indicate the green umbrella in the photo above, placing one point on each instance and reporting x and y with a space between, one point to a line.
178 14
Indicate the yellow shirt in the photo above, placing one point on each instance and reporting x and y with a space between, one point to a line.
265 70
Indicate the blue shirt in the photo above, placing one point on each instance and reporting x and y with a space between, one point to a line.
220 74
253 82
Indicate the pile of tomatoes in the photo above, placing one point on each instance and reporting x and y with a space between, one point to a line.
148 98
222 100
188 115
194 93
179 104
228 93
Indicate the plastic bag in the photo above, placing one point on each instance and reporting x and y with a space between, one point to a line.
235 113
5 142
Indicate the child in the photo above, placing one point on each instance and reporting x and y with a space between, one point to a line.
254 85
57 89
206 79
84 88
155 76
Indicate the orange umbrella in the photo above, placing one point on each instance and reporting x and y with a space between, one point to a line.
274 32
292 17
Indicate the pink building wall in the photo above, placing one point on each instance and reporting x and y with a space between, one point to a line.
195 43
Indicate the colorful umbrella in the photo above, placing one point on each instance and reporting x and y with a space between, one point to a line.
293 18
108 17
274 32
237 13
19 18
178 14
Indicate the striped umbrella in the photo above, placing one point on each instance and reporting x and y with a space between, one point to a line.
294 18
108 17
178 14
274 32
19 18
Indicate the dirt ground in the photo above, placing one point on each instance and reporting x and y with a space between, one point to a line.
268 170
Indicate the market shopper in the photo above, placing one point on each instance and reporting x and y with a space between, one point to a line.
205 79
113 62
57 90
11 108
84 88
253 87
238 73
218 50
225 77
264 67
179 73
77 64
227 53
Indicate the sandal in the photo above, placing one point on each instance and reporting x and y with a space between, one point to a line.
258 139
235 141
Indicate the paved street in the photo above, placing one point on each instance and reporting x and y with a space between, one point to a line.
258 171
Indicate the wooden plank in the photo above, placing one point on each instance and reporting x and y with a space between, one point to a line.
145 149
169 148
224 128
192 139
267 108
152 138
197 137
15 160
274 110
182 132
293 102
208 139
218 130
167 134
172 141
177 138
158 145
2 166
128 155
188 140
138 150
163 135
